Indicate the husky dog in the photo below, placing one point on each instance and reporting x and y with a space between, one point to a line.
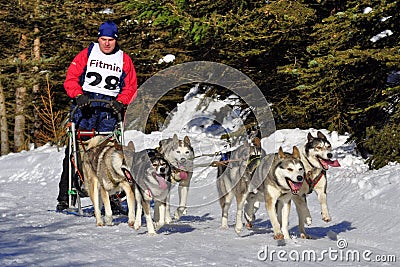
316 157
233 178
105 173
180 155
152 174
279 177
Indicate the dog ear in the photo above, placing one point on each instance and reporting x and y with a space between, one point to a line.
160 145
186 140
131 146
175 140
296 152
309 137
321 135
281 154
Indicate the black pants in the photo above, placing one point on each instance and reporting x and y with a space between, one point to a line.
64 180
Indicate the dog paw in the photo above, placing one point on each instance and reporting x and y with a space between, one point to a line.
109 221
152 233
325 216
158 225
308 221
249 225
279 236
168 219
224 227
177 216
238 229
99 224
136 226
305 236
326 219
179 212
131 224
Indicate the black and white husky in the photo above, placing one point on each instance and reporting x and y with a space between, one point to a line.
316 156
151 173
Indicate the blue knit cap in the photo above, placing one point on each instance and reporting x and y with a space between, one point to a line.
108 29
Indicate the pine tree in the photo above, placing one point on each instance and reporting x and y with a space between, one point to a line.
342 84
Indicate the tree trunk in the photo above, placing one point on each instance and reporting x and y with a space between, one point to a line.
19 128
35 90
5 145
20 93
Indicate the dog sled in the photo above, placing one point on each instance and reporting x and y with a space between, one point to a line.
76 146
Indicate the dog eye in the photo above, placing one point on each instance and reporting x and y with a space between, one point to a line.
290 169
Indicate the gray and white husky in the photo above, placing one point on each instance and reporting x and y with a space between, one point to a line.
276 180
233 179
180 156
105 173
151 173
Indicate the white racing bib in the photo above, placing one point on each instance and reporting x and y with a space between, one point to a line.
103 72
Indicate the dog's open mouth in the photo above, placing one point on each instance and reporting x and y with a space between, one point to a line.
327 162
162 184
127 174
183 174
294 186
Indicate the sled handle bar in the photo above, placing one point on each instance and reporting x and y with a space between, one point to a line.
119 116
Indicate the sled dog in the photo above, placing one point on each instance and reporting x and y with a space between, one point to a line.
233 178
316 157
279 177
152 176
106 172
180 156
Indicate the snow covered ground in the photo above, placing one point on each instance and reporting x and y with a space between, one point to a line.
363 203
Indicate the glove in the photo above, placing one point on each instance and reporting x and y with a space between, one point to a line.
117 106
82 101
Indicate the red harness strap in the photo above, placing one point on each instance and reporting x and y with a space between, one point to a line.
313 183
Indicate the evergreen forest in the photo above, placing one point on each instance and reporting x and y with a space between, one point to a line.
319 63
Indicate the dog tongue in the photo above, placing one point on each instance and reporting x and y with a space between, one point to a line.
334 163
295 187
183 175
161 182
327 162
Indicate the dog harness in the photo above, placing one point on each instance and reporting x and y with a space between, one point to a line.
312 183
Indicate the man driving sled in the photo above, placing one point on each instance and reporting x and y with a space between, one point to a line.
100 71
